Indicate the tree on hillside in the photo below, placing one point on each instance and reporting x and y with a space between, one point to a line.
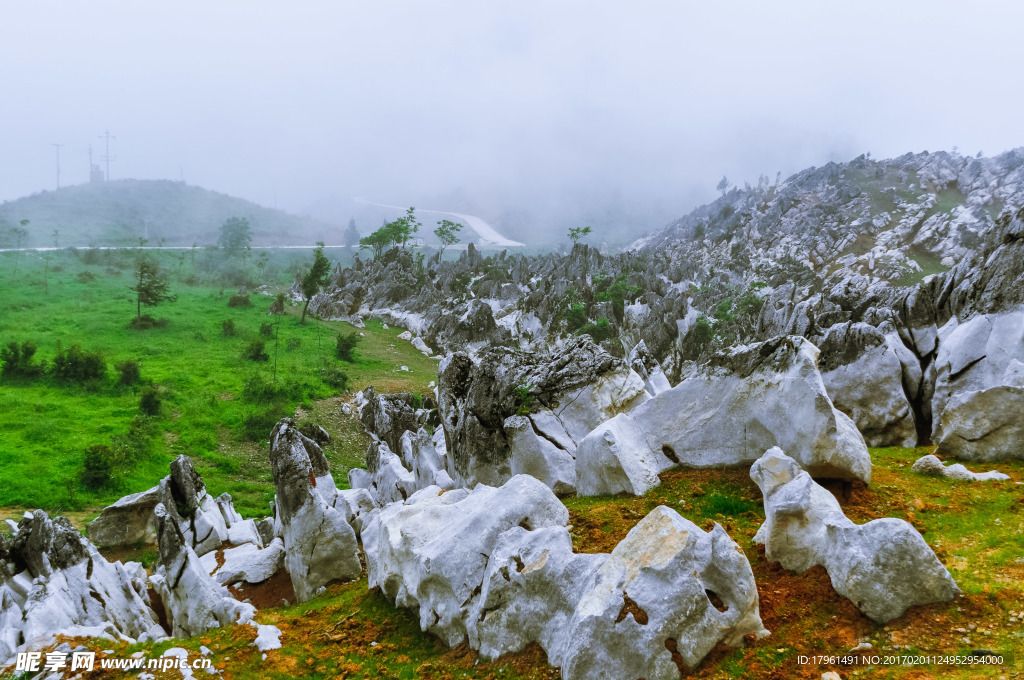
576 233
404 227
20 234
375 242
351 234
723 185
151 286
447 234
235 236
315 278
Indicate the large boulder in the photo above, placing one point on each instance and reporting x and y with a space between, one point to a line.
430 553
127 521
883 566
732 409
985 425
529 593
978 354
538 456
863 376
320 545
571 390
617 457
650 606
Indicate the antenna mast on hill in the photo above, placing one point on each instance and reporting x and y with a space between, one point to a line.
106 136
58 147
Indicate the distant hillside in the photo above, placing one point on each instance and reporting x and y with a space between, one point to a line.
119 212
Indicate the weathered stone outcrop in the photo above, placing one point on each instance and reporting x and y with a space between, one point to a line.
194 602
863 376
61 585
495 566
883 566
650 602
931 465
320 545
724 413
387 416
127 521
570 390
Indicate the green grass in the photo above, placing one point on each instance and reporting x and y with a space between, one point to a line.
45 427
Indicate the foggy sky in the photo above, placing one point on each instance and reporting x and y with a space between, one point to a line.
496 107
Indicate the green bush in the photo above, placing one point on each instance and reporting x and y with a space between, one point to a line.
150 401
17 361
78 366
293 344
259 422
256 350
703 332
524 400
259 390
599 330
145 322
267 330
98 467
86 277
227 328
239 301
129 372
345 346
335 377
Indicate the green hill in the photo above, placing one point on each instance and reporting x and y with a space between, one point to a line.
120 212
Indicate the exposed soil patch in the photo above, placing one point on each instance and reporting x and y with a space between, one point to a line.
273 592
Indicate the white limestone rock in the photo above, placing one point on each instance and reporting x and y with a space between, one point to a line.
617 457
389 480
320 546
748 400
430 553
355 505
529 593
984 425
979 354
649 601
127 521
883 566
539 457
68 588
863 376
194 602
932 466
248 563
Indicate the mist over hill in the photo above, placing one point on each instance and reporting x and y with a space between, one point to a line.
120 212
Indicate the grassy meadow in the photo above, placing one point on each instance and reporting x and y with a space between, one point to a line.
200 375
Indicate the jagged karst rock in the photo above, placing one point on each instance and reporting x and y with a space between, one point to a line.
617 457
320 546
647 367
883 566
932 466
533 454
529 593
247 563
61 585
194 602
578 387
387 416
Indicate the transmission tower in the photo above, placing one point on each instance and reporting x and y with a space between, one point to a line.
58 147
106 137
